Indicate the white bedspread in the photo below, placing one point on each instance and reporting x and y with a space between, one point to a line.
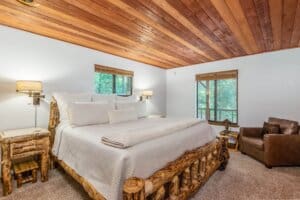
106 167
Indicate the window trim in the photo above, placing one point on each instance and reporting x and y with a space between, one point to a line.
222 75
114 72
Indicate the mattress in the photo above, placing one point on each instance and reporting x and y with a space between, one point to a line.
106 167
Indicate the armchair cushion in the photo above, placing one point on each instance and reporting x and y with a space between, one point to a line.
270 128
286 126
258 143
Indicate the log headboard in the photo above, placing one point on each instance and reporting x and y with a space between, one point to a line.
53 119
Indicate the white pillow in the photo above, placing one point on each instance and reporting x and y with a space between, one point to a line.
88 113
117 116
139 106
104 97
126 99
63 99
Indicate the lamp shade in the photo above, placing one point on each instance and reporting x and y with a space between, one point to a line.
29 86
147 93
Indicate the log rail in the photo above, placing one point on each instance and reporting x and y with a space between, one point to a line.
181 178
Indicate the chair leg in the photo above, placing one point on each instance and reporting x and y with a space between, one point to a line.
267 166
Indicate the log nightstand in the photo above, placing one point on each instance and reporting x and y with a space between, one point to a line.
22 144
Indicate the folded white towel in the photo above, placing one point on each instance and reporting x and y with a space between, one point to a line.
157 129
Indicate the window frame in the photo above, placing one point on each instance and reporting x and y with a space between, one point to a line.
116 72
215 77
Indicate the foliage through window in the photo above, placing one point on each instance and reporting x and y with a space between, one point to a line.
113 81
217 96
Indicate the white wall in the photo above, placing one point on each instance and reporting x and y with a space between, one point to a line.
62 67
269 85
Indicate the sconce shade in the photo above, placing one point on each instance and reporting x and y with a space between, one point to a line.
147 93
29 86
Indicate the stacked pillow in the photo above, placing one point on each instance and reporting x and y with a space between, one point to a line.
88 109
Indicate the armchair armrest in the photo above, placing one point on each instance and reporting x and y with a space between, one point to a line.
281 149
250 132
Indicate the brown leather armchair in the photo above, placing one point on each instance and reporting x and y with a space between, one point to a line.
272 149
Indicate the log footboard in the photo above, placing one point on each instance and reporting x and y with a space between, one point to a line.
181 178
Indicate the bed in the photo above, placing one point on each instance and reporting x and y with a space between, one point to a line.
173 166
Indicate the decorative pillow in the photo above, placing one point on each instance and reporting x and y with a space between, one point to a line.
139 106
286 126
88 113
124 115
270 128
63 99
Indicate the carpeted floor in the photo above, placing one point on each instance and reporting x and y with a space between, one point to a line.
244 178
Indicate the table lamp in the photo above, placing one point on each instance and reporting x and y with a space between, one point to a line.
34 90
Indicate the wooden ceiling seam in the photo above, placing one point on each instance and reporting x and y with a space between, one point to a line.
295 40
276 7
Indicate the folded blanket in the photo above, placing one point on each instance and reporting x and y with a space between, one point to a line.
157 128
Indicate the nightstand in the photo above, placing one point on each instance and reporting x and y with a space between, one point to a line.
232 139
21 144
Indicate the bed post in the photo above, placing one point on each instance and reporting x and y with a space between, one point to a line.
224 154
53 122
134 189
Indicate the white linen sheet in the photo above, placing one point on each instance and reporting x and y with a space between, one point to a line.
106 167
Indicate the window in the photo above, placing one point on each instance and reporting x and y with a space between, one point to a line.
217 96
113 81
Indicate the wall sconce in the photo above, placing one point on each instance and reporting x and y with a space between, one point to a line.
34 90
146 94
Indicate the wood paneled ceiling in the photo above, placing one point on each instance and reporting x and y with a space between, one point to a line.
163 33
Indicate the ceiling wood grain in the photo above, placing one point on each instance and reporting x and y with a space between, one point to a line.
163 33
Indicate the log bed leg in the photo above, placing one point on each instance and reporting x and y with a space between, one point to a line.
134 189
224 154
195 173
160 194
174 188
186 179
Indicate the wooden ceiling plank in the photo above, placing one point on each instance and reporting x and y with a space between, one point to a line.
95 9
262 10
238 13
289 13
252 18
210 13
276 21
135 13
206 25
105 44
184 21
157 14
296 30
229 19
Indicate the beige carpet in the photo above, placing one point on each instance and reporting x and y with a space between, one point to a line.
244 178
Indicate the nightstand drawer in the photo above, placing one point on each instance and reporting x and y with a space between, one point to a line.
20 149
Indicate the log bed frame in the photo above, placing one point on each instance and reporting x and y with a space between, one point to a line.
178 180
